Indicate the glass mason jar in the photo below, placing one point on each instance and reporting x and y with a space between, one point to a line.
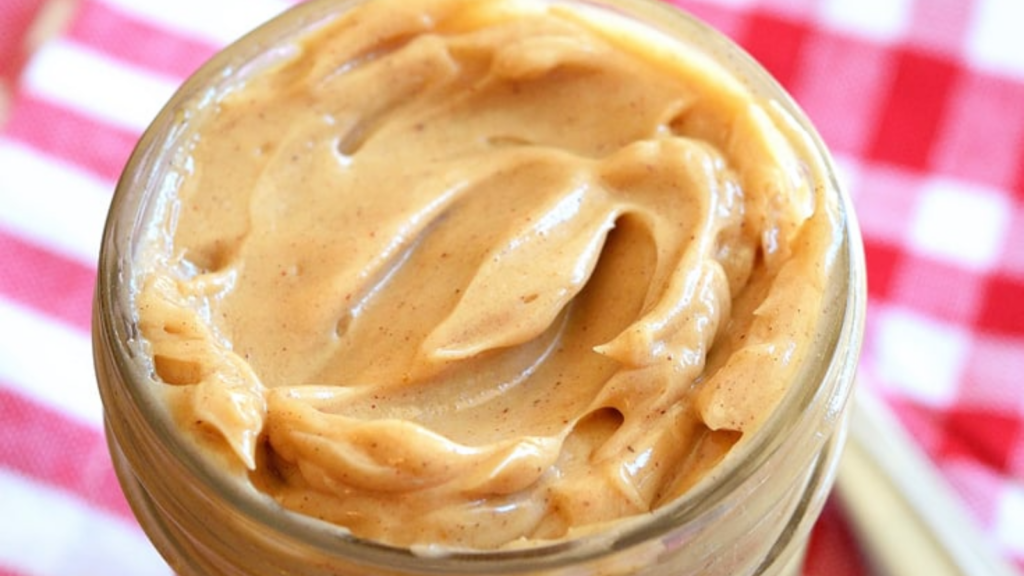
755 520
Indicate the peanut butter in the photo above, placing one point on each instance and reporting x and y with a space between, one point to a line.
479 274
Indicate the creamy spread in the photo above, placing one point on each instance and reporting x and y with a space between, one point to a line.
483 273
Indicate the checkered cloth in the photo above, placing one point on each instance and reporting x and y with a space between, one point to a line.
922 102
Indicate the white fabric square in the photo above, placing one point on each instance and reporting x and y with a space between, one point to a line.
1009 527
847 172
32 184
27 342
960 223
79 78
919 357
56 533
881 20
994 36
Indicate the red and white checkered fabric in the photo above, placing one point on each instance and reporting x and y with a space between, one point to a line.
922 102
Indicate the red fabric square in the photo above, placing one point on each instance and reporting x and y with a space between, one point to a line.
1015 467
18 16
882 261
1003 312
127 39
776 42
61 132
833 549
914 109
980 435
62 452
982 132
923 424
49 283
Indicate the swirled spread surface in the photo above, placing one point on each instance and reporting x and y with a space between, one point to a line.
482 273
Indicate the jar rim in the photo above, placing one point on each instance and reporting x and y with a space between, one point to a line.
840 351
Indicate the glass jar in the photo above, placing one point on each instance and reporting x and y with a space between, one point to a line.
755 519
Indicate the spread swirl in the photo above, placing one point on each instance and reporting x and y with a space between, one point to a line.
476 274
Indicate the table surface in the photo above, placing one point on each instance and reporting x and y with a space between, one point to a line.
922 102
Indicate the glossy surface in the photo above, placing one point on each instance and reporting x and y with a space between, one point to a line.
477 274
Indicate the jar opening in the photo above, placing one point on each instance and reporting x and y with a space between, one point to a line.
142 427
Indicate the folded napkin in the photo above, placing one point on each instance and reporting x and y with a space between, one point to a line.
922 102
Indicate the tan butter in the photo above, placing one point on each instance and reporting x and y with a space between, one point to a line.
483 273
